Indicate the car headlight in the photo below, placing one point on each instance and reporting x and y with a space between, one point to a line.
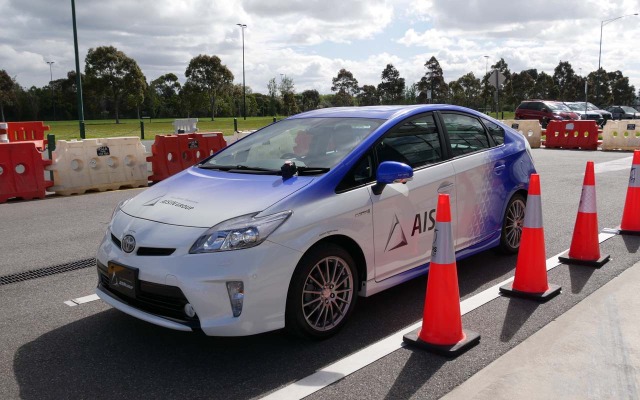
239 233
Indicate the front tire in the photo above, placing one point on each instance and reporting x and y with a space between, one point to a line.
322 293
512 224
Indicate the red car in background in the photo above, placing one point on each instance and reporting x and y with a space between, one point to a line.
545 111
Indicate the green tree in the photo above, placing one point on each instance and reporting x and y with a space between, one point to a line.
7 91
621 91
433 81
114 75
466 91
166 90
368 96
346 87
566 81
208 75
288 93
391 89
272 87
544 87
191 99
310 100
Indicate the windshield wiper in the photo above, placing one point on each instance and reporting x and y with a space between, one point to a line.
312 170
241 169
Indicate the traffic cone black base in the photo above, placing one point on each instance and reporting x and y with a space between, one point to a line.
470 339
564 258
509 291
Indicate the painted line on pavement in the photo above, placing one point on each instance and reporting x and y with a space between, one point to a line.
356 361
81 300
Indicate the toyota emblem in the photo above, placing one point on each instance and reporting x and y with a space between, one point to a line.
128 243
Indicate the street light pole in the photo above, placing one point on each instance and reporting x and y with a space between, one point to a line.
78 76
244 87
53 101
602 24
486 81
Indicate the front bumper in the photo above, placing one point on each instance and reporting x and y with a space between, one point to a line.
166 283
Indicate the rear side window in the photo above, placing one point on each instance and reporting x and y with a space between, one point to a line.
466 133
495 131
524 106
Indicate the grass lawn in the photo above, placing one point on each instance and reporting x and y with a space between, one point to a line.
68 130
94 129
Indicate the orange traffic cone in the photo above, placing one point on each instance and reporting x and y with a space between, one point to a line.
441 330
631 215
531 268
585 247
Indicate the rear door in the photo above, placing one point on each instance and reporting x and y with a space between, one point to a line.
480 169
404 214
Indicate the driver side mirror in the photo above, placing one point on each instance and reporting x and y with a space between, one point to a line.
391 172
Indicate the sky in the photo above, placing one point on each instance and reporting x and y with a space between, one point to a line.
309 41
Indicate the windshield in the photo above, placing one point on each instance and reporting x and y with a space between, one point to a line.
576 106
557 107
318 143
630 110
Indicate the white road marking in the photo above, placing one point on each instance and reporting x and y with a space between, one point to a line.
81 300
356 361
613 165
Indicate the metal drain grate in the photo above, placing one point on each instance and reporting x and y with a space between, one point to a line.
46 271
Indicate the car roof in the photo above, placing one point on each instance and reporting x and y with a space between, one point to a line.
379 112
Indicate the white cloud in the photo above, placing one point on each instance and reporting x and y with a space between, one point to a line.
310 40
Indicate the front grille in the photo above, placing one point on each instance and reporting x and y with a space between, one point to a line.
155 251
161 300
146 251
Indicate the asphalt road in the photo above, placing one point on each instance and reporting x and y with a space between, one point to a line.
52 350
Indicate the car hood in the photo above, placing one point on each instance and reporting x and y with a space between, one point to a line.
201 198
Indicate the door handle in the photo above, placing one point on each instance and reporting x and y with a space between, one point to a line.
445 188
500 168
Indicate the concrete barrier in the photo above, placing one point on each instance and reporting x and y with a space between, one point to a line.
621 135
529 128
98 165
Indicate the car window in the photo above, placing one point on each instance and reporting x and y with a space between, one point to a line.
496 131
309 142
466 133
537 106
414 142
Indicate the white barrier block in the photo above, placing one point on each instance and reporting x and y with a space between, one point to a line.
621 135
186 125
529 128
98 164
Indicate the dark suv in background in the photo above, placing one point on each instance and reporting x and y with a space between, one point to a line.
623 112
544 111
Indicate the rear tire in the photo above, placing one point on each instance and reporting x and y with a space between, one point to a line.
322 293
512 224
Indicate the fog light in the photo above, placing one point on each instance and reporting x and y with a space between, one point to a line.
188 309
236 296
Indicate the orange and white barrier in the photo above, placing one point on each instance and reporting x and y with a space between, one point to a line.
22 172
98 164
621 135
441 330
529 128
531 268
585 246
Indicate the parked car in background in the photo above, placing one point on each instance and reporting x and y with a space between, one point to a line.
583 111
592 111
623 112
545 111
289 225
